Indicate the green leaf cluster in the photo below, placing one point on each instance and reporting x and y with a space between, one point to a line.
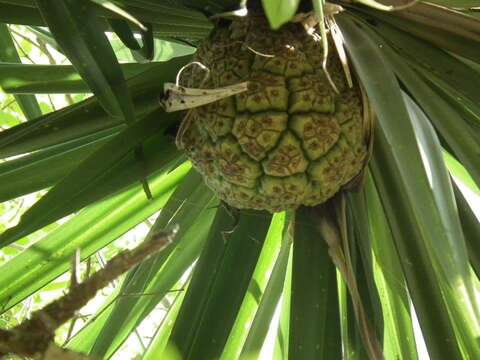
242 284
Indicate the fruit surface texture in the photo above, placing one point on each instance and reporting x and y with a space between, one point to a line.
289 140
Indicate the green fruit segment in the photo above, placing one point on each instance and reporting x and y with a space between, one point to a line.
259 133
319 133
289 140
311 93
287 158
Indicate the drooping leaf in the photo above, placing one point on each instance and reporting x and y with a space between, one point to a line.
144 51
403 172
314 317
280 350
398 337
441 27
115 9
219 283
256 288
450 125
263 320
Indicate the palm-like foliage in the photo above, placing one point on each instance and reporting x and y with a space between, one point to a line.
409 236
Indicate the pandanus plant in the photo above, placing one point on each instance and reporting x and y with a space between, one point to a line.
310 167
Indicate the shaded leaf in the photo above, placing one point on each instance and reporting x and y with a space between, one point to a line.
219 283
87 117
417 225
255 293
87 182
314 317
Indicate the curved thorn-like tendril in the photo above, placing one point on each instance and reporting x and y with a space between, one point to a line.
379 6
246 46
183 68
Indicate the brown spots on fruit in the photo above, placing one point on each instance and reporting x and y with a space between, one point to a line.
317 132
252 86
286 159
258 133
314 145
254 128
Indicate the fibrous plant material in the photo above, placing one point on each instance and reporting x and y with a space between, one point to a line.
34 337
290 139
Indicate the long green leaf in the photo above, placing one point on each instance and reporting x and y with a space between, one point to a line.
471 229
424 223
457 4
263 317
352 345
363 267
21 15
44 168
459 172
87 117
114 9
256 288
52 79
190 207
398 337
159 342
314 316
92 229
87 182
443 69
169 20
444 38
219 283
161 275
280 350
143 52
452 127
